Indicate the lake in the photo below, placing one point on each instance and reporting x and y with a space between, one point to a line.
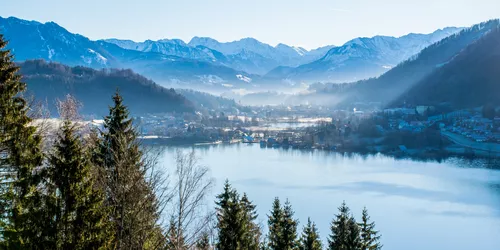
416 205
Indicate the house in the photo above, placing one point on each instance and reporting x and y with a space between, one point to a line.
435 118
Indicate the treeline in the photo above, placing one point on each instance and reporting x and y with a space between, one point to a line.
237 227
100 189
48 81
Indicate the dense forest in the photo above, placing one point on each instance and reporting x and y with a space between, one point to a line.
101 189
470 79
391 85
48 82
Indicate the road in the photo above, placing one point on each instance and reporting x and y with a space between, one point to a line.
466 142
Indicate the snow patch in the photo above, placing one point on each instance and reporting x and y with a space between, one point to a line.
210 79
299 51
99 58
51 52
244 78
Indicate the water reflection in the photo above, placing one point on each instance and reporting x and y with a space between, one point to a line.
415 203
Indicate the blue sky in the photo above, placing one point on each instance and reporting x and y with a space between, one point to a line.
306 23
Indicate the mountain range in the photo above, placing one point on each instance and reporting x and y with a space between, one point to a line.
469 79
362 58
206 64
462 64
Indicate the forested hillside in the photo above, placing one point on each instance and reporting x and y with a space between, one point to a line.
51 81
398 80
471 79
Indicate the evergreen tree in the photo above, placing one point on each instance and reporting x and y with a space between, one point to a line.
353 239
369 236
204 242
79 219
230 219
289 227
275 223
251 234
173 240
310 239
129 195
22 210
338 239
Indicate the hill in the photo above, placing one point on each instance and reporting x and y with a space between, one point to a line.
94 88
391 85
470 79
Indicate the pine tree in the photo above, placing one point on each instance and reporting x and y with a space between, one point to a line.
289 227
310 239
22 210
338 239
353 239
131 199
204 242
79 218
369 236
275 223
174 241
251 234
230 219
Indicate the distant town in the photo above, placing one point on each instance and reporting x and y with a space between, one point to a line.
405 131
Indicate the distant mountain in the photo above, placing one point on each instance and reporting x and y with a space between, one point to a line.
94 88
247 54
49 41
362 58
280 55
398 80
470 79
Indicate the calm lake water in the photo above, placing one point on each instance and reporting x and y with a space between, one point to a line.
416 205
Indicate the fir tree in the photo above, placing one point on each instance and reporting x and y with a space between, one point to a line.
251 231
275 223
133 204
22 213
174 241
338 239
204 242
353 239
80 220
369 236
289 227
230 219
310 239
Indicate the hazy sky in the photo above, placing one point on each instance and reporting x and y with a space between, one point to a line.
307 23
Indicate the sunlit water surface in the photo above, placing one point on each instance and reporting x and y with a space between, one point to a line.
416 205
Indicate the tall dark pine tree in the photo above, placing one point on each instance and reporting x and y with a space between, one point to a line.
133 204
80 221
251 232
353 239
289 227
230 219
204 242
338 239
369 236
275 223
310 239
21 202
